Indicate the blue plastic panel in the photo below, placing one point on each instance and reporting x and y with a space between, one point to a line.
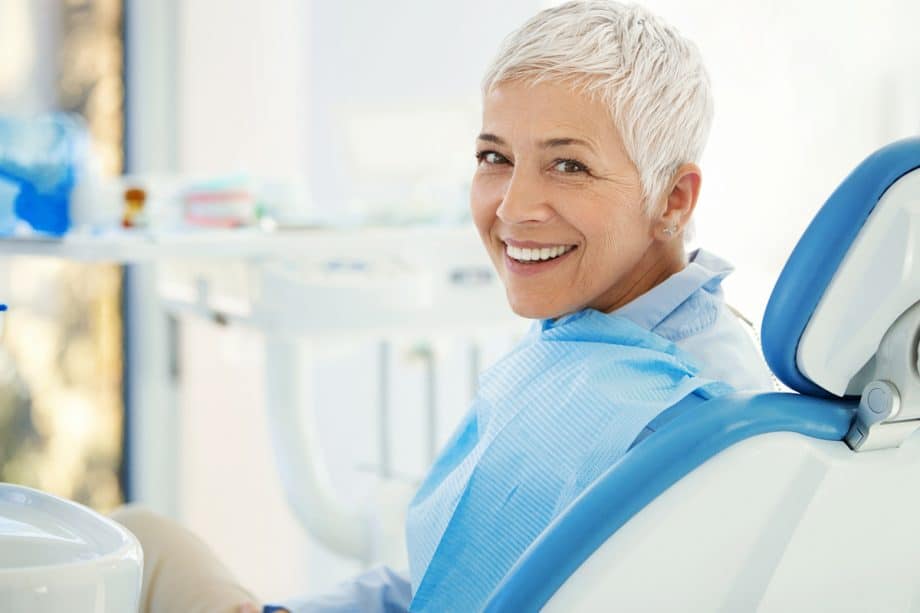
818 254
649 469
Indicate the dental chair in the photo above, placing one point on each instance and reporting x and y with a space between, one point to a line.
775 502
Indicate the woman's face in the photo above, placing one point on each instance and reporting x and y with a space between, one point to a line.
558 203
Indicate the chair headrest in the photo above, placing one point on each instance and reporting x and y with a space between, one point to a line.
854 271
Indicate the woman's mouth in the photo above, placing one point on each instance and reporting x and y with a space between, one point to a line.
542 254
533 260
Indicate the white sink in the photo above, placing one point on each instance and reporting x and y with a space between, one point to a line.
57 555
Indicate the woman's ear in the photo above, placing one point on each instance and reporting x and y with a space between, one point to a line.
680 201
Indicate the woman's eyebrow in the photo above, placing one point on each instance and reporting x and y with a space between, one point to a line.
491 138
546 144
563 142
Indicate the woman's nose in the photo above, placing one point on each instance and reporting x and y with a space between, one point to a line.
524 200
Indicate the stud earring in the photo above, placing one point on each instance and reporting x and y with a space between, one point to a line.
670 230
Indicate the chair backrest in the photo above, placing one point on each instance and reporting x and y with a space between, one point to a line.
851 275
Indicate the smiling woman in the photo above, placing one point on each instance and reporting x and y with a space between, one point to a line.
595 116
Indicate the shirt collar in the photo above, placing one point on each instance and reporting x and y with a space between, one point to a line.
705 270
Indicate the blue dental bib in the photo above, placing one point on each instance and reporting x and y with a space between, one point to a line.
548 418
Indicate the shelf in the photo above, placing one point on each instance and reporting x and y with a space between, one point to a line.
317 282
143 245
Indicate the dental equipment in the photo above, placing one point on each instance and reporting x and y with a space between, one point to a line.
57 555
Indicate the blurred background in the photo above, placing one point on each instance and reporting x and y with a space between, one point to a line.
346 115
61 405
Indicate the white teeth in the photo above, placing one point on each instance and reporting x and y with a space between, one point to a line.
533 255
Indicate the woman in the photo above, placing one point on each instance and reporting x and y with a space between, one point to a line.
595 116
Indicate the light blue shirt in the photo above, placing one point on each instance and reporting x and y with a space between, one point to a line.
709 330
677 310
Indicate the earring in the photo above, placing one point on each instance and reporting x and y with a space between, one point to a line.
670 230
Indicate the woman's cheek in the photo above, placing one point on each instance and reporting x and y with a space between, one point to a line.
478 207
485 198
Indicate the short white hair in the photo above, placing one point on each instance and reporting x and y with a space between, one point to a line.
650 76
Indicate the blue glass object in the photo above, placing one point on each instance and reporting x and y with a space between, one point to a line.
39 161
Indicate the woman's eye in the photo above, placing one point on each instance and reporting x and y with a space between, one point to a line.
569 166
491 157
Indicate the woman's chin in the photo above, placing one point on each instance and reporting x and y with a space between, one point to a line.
535 309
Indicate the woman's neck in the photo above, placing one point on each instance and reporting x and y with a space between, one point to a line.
659 263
